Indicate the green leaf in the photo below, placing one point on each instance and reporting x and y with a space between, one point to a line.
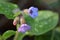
46 21
47 36
8 34
0 37
7 8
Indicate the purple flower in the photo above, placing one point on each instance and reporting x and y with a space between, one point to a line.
23 28
33 12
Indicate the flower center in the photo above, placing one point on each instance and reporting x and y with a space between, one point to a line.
31 12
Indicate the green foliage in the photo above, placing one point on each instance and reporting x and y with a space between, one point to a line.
0 37
46 21
8 34
6 8
47 36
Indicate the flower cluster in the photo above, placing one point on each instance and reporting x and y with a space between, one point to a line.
33 12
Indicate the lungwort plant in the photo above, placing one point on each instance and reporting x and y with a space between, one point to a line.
35 22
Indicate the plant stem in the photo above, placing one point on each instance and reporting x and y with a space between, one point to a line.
53 33
16 35
19 36
15 38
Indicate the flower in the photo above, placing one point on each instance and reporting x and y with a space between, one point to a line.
23 28
33 12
